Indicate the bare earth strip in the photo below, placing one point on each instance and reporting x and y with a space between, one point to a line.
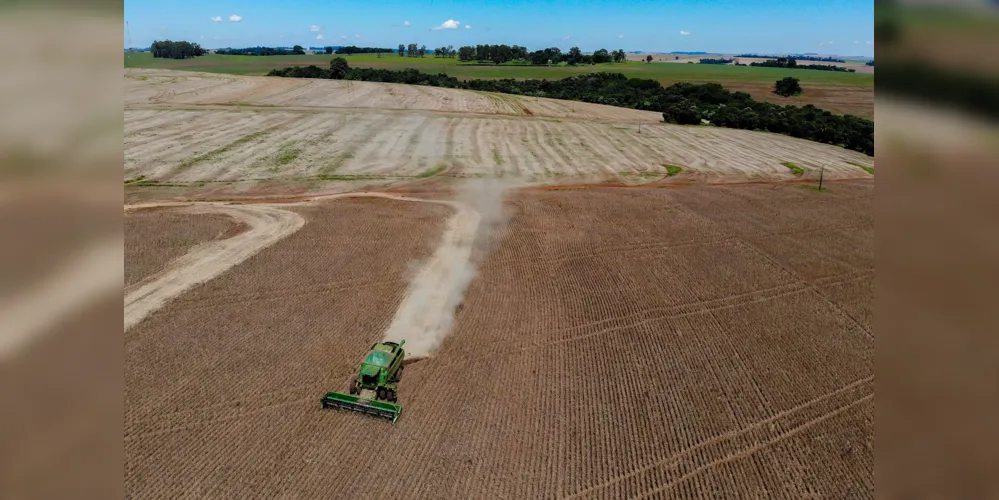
267 225
423 318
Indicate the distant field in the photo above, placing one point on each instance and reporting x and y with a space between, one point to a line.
665 73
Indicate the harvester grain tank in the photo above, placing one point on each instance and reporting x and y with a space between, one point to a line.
375 390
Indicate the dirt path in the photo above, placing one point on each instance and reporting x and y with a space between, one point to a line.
267 225
424 317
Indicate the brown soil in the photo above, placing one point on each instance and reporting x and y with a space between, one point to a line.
616 343
153 238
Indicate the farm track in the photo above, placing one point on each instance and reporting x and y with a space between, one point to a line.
704 348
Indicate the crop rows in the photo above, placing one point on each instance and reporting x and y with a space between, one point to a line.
616 343
206 146
154 238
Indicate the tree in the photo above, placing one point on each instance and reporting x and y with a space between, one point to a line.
423 50
338 68
601 56
298 49
648 58
402 50
329 50
788 87
575 55
411 50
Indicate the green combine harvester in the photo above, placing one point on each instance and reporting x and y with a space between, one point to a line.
374 391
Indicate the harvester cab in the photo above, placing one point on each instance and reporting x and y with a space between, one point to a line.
375 389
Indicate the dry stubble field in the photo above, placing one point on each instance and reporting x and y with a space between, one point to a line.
694 341
155 237
215 135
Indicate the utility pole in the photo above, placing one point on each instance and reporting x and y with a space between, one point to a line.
821 171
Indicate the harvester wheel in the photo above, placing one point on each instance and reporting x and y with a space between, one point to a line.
353 388
391 396
381 393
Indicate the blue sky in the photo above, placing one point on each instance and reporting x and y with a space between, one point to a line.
828 27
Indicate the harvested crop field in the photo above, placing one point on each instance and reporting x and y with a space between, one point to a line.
225 135
153 238
617 342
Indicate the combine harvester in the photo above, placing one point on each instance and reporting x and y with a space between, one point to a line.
374 391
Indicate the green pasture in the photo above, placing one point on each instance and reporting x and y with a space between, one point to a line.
662 72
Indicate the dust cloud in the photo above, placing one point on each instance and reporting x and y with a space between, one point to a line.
426 315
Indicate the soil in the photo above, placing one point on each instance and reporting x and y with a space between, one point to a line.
614 343
153 238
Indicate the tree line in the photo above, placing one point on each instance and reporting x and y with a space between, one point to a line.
262 51
800 58
784 62
708 60
362 50
682 103
412 50
176 50
499 54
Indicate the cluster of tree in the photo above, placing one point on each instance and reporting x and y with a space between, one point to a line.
870 63
783 62
363 50
262 51
176 50
499 54
683 103
496 53
799 57
717 61
412 50
788 87
445 52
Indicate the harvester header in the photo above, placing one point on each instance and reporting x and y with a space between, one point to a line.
374 390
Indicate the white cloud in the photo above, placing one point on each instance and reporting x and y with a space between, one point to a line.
822 44
235 18
216 19
620 36
868 42
320 37
684 33
450 24
405 23
314 28
567 37
357 37
343 37
468 26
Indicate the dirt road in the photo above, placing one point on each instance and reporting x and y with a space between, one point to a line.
424 317
267 225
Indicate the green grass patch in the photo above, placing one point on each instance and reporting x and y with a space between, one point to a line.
287 155
867 169
133 180
672 170
815 188
796 170
496 157
215 153
432 172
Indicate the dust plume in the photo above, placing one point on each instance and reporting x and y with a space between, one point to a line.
425 317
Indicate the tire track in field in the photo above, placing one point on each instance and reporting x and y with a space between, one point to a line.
267 224
770 424
424 316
